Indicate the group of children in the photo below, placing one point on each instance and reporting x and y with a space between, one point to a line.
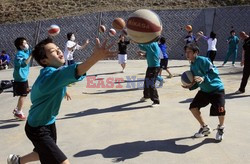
50 87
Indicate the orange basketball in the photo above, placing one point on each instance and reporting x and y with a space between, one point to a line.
188 28
118 24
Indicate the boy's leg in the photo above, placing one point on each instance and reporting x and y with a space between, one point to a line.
197 114
152 89
235 53
20 103
146 87
33 156
221 120
66 162
227 56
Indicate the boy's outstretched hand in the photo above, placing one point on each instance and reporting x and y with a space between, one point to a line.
67 96
100 51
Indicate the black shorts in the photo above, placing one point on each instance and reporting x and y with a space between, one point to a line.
20 88
164 64
217 99
44 141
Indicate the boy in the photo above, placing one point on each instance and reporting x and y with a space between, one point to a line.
122 47
20 75
233 42
70 48
207 78
153 60
164 57
46 96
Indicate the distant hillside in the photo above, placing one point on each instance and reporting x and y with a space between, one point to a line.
30 10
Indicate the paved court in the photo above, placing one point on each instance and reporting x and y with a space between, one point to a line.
108 124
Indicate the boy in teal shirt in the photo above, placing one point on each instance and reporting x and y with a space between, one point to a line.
233 42
46 96
211 91
20 75
153 60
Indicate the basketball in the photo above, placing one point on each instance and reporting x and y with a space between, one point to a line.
102 28
189 28
53 30
144 26
187 78
112 32
118 24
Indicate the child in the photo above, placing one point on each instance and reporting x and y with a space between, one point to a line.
233 42
190 38
207 78
122 56
20 75
164 57
211 42
4 60
70 48
153 60
46 96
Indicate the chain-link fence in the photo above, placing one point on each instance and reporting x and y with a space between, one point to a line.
220 20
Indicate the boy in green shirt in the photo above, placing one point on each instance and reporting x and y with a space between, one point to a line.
206 77
46 96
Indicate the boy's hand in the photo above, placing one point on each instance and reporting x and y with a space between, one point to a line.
102 51
67 96
198 79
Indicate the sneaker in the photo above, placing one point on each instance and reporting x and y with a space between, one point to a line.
13 159
155 105
14 111
233 65
143 99
203 131
170 76
20 116
239 92
161 83
70 85
220 133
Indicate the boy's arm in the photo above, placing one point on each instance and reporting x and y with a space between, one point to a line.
84 45
101 51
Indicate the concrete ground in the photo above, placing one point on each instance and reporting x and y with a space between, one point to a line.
107 125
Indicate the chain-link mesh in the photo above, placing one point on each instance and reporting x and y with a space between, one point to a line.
174 22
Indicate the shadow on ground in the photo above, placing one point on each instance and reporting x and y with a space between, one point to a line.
124 151
93 111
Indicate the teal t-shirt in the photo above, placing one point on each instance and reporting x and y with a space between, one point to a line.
21 69
234 42
152 53
203 67
47 93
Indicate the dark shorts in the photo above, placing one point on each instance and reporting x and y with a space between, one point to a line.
217 99
44 141
164 64
20 88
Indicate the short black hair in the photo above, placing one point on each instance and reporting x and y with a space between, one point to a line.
19 42
162 40
212 35
3 52
39 52
193 47
69 35
233 31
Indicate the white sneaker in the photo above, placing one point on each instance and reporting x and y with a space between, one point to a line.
238 92
143 99
220 133
154 105
203 131
13 159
